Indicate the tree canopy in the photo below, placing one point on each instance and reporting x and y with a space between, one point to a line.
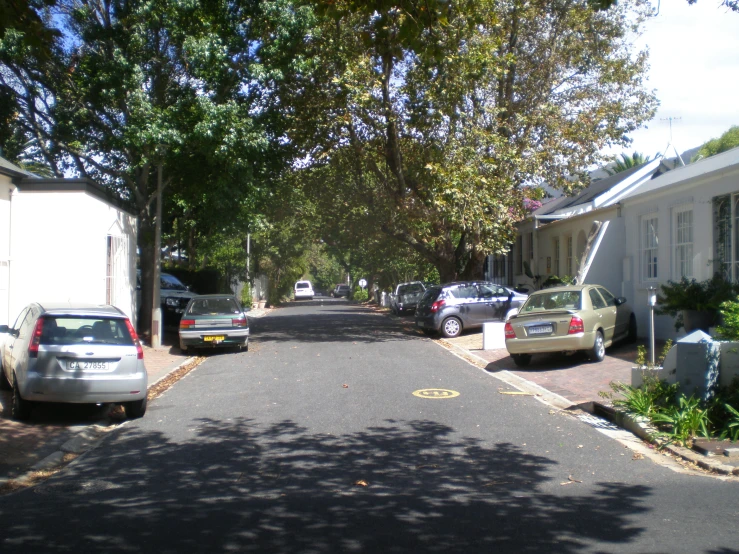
438 112
398 137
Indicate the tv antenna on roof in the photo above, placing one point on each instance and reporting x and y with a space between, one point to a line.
669 143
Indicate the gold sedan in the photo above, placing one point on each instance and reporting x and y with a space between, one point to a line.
569 318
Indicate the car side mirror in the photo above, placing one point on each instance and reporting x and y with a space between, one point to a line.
4 329
620 300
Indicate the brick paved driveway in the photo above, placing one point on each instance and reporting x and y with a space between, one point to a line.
572 377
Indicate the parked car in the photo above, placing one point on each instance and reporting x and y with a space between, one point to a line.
406 296
303 290
173 297
569 318
73 353
341 290
450 308
214 321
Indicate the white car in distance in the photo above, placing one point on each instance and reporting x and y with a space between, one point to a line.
303 290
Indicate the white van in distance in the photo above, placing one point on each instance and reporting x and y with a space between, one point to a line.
303 290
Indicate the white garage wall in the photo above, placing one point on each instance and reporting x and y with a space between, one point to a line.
58 248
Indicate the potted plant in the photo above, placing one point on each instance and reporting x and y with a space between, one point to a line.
695 304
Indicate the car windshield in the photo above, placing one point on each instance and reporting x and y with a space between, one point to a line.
557 300
213 306
71 330
410 289
171 282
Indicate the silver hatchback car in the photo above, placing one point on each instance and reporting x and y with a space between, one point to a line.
73 353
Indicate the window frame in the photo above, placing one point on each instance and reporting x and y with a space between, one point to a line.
683 237
649 248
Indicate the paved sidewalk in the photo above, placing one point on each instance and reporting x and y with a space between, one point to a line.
24 444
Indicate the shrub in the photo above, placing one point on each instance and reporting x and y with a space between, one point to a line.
689 294
729 328
646 400
684 421
360 295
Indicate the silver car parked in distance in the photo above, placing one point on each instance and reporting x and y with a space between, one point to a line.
80 354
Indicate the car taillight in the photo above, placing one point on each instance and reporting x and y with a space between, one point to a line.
509 332
187 323
437 305
241 322
136 341
36 338
576 326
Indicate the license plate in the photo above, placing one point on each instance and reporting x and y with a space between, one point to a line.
539 330
214 338
82 366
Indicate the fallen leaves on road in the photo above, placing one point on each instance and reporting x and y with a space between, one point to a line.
570 480
345 386
580 446
637 456
361 483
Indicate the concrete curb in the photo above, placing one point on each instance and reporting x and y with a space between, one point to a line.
622 419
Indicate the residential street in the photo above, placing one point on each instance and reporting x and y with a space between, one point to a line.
313 441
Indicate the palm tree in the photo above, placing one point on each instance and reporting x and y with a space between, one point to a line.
628 161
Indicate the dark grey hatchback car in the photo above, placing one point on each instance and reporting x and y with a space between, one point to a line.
449 309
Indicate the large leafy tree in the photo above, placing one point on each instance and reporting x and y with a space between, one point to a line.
134 85
445 108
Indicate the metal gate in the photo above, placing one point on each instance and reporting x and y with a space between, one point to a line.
117 271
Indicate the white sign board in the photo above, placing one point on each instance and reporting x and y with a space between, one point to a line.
362 283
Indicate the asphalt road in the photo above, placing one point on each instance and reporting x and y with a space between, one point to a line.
314 442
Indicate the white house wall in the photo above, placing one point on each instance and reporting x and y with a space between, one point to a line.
6 188
58 249
607 260
696 192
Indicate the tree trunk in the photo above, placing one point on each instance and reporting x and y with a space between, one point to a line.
473 271
146 264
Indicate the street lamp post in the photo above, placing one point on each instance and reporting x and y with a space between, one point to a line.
652 302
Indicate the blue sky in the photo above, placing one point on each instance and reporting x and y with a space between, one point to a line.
694 67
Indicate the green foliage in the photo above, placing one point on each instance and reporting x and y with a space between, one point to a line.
426 121
727 141
642 360
556 281
729 328
646 400
731 426
678 418
689 294
683 422
360 294
246 295
628 161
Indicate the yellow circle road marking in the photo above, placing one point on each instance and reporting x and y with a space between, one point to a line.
435 394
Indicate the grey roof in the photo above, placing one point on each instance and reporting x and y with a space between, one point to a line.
8 168
592 191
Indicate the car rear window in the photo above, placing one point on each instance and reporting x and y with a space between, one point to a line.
557 300
302 286
410 289
213 306
430 296
71 330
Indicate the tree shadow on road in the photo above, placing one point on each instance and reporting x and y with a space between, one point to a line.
404 486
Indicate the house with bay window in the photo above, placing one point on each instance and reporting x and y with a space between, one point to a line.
684 223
